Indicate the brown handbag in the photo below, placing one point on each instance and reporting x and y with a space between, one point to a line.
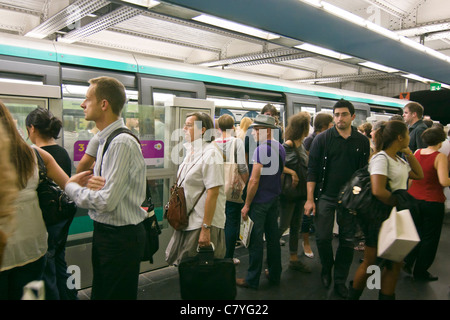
175 210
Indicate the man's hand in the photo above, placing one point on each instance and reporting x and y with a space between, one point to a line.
310 208
96 183
244 212
86 179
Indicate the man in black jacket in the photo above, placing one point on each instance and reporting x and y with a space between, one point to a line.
335 155
413 114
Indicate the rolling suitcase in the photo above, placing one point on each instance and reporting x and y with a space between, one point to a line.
204 277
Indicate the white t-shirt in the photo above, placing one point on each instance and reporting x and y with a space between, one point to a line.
397 171
203 170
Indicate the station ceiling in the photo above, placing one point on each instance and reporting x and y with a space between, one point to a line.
411 37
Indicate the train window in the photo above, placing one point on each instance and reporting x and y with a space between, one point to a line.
239 109
146 122
20 108
361 116
312 109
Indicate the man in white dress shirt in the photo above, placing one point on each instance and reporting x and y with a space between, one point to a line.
119 235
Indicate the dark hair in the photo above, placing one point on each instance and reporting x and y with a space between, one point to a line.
43 120
344 104
111 90
225 122
415 107
322 121
207 123
428 122
433 136
269 108
298 126
397 117
366 128
388 133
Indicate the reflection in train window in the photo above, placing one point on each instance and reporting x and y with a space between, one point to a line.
20 108
147 122
239 109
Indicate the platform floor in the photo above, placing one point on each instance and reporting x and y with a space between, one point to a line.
163 284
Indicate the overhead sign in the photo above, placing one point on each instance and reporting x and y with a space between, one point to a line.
434 86
405 95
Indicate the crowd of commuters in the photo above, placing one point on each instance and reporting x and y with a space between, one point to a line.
112 185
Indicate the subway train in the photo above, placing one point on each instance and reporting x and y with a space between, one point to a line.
53 75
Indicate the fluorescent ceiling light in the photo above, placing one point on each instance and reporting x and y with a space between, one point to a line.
235 27
377 66
315 3
383 31
412 44
322 51
416 77
343 14
143 3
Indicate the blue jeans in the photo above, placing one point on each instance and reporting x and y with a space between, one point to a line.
265 218
232 226
55 273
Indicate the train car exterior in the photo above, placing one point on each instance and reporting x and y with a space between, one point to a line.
52 75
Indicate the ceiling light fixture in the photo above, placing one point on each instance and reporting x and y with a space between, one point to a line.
229 25
416 77
322 51
377 66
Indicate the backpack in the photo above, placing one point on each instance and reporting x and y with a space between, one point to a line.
357 194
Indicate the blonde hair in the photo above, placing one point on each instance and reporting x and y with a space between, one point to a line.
21 154
8 189
243 126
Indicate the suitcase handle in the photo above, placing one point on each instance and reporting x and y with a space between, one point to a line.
207 248
206 255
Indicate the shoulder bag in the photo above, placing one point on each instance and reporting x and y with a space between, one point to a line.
175 210
299 192
356 194
234 185
56 206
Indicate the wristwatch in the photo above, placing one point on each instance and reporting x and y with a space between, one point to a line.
206 226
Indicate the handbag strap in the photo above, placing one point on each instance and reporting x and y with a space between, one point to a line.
41 166
196 201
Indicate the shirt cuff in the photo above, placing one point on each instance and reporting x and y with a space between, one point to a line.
71 189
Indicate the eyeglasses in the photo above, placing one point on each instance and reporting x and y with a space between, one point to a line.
343 114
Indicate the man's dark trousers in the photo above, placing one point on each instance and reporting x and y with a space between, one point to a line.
324 223
116 257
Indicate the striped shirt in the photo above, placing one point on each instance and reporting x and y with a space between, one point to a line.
118 203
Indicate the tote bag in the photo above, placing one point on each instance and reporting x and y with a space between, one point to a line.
397 236
234 185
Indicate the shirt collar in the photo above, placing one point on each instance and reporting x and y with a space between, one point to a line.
336 133
103 134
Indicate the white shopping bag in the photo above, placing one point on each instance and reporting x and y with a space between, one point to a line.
397 236
245 231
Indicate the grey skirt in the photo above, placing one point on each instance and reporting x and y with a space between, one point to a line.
185 243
